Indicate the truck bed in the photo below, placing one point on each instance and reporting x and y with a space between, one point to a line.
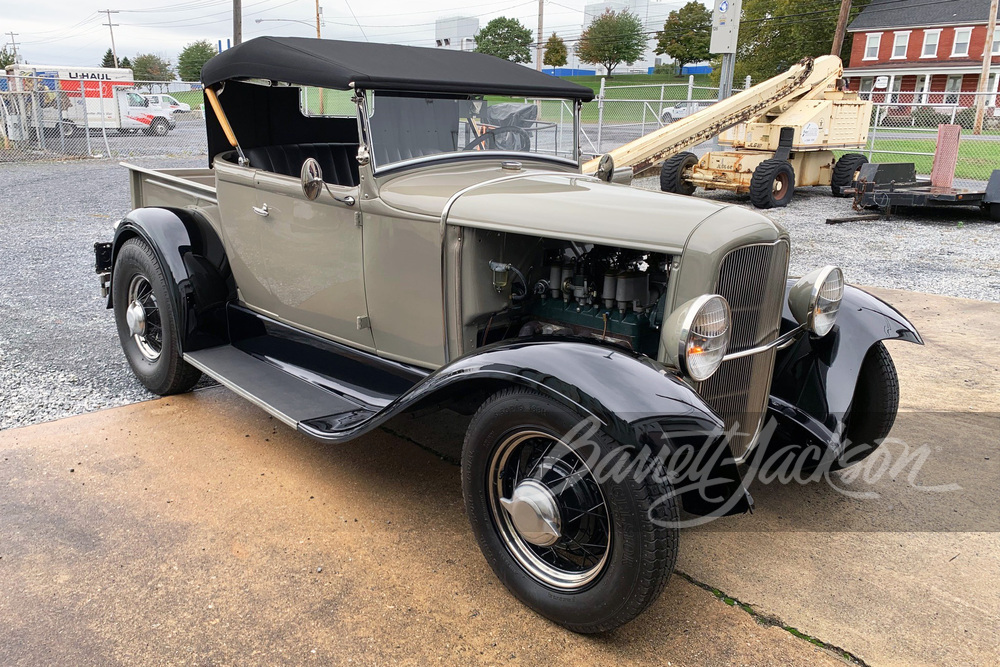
176 188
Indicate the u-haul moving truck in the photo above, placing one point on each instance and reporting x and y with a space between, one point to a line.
73 98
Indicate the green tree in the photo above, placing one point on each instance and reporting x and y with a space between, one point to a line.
6 57
769 45
125 63
151 67
109 59
555 52
686 34
505 38
611 39
193 58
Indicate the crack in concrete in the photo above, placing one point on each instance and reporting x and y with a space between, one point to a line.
773 621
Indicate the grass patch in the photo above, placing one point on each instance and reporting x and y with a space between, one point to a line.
193 97
976 159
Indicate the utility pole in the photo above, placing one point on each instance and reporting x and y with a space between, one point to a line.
984 75
237 22
538 38
13 43
111 27
838 36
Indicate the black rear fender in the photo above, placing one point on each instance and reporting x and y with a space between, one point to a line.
194 263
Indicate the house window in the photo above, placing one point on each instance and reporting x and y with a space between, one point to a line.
996 43
991 87
900 41
962 37
931 39
872 43
953 88
865 89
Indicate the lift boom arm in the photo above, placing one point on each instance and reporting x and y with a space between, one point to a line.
807 76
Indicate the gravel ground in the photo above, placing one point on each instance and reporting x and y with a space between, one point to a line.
59 352
953 252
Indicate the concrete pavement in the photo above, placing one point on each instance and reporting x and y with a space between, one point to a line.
196 529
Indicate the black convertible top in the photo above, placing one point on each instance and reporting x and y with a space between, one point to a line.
328 63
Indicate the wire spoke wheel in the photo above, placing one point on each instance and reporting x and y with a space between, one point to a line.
143 318
549 510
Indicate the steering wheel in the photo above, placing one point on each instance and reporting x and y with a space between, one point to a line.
513 139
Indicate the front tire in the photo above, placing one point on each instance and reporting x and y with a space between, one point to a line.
590 555
145 320
159 128
873 410
672 173
772 184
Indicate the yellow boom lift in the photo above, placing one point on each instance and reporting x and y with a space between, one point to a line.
777 135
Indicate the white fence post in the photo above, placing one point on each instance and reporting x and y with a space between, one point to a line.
600 114
746 84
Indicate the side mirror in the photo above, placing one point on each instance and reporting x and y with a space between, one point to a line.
312 178
606 168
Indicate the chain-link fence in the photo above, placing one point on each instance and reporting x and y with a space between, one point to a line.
904 129
44 118
621 114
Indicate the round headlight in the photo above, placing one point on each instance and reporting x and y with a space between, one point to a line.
815 299
699 330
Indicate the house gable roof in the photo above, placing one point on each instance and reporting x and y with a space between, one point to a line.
884 14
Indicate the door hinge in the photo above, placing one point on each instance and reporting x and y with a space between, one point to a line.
357 218
364 322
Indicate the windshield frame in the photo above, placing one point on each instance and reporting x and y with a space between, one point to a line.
366 135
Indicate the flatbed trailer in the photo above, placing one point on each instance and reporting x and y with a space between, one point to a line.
887 186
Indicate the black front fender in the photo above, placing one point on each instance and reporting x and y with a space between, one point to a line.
194 265
817 376
636 400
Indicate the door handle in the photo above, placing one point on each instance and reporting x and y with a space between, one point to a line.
262 211
349 200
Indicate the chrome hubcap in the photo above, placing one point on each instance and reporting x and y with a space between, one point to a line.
549 510
534 511
135 316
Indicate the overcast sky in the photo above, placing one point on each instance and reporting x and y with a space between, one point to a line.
70 32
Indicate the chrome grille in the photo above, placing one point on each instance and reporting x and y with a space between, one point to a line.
752 279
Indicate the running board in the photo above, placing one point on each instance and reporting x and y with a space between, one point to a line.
289 398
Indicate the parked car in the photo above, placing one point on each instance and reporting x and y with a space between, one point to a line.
338 271
683 109
167 102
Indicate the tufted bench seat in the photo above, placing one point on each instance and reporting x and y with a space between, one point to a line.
338 161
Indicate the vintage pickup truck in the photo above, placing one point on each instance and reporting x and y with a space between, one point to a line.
385 228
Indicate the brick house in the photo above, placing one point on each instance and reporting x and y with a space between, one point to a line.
922 51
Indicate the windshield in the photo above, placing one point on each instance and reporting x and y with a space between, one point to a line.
406 127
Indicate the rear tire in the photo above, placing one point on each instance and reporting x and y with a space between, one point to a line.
873 410
772 184
154 352
517 439
672 174
845 172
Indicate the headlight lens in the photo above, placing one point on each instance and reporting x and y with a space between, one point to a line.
815 299
699 330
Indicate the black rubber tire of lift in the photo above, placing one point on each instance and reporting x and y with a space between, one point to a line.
672 173
844 172
762 193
